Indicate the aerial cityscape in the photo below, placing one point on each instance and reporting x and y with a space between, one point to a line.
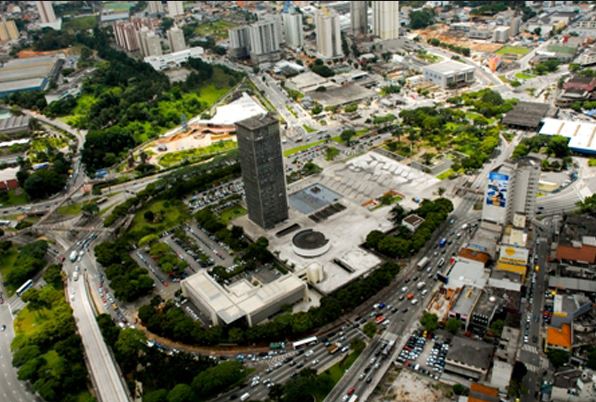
298 201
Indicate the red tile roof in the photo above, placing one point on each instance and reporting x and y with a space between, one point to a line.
586 254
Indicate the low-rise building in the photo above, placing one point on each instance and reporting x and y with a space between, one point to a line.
448 74
30 74
580 133
469 358
174 60
412 222
483 393
577 89
559 338
15 124
248 301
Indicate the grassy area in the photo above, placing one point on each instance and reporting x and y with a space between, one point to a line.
446 174
300 148
523 75
308 128
13 198
516 50
592 162
292 111
119 5
196 154
6 263
70 209
80 23
217 29
30 322
232 213
428 57
167 214
81 110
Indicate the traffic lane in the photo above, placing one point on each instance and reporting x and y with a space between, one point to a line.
11 389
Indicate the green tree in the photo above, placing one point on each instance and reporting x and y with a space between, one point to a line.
159 395
421 18
429 321
588 205
453 325
347 135
497 327
459 389
558 145
90 208
557 357
210 382
131 342
181 393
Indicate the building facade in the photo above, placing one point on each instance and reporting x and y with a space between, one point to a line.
449 74
150 43
386 19
264 41
175 8
263 175
293 30
239 42
127 36
328 34
359 17
8 31
46 11
176 39
155 7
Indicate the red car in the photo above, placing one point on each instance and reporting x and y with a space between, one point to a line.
351 391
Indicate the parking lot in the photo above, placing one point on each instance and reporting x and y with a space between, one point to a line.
426 356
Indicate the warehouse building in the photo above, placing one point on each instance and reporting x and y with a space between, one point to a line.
249 299
581 134
31 74
449 74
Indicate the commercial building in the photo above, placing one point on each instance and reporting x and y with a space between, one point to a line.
501 34
239 42
328 34
150 43
577 89
174 60
528 115
449 74
175 8
264 41
580 133
176 39
359 17
386 19
559 338
464 306
8 31
263 175
504 358
469 358
155 7
46 11
31 74
250 300
293 30
15 124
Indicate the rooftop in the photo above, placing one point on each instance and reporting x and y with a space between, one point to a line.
470 352
582 135
14 122
527 114
240 109
309 239
474 255
256 122
467 272
307 80
335 96
413 220
466 301
483 393
559 337
582 254
563 282
449 67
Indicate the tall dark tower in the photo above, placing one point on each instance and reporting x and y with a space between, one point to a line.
262 166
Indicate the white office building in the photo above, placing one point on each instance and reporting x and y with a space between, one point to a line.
176 39
150 43
155 7
386 19
328 34
449 73
46 12
293 30
359 17
264 41
239 42
515 25
174 60
175 8
501 34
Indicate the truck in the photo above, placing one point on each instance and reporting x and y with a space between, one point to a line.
245 397
334 347
420 285
75 276
442 242
73 256
464 226
423 263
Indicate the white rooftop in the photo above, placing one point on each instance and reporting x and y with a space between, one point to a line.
581 134
242 108
467 272
449 67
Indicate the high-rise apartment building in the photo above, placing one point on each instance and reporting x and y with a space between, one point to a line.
150 43
264 41
127 35
386 19
515 25
328 34
292 23
261 161
8 31
359 17
155 7
175 8
176 39
239 42
46 11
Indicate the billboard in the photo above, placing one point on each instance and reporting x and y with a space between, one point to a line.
496 194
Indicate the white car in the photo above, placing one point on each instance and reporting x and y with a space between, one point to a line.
414 301
404 289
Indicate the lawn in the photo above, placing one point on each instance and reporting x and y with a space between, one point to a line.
446 174
6 263
167 215
119 5
81 110
30 322
13 198
308 128
218 29
70 209
196 154
592 162
80 23
300 148
523 75
232 213
517 50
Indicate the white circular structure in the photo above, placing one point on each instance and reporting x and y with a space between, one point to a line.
310 243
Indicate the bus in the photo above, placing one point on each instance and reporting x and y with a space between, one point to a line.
353 398
423 263
24 287
305 342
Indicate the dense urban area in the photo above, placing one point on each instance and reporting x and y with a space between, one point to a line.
294 201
